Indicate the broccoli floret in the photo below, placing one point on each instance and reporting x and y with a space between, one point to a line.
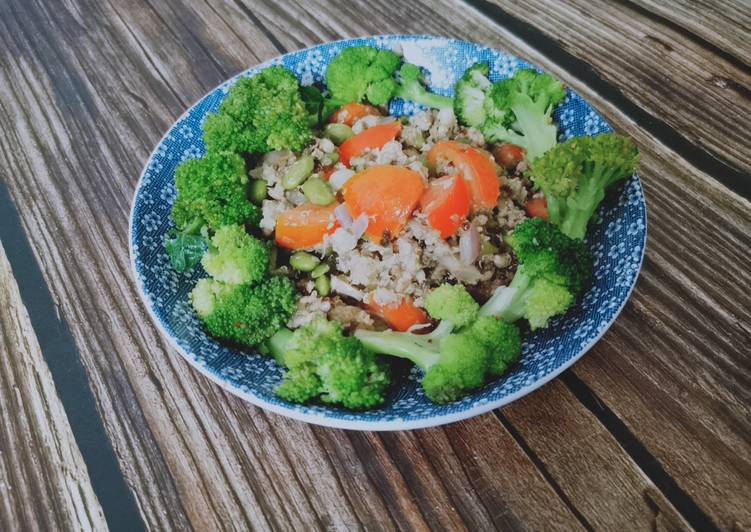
456 363
520 109
461 353
500 338
243 313
235 257
361 73
262 113
575 175
470 91
452 303
365 73
186 246
554 269
213 188
323 363
411 87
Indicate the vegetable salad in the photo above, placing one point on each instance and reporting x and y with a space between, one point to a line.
336 236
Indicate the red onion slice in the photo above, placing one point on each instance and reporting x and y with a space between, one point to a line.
469 244
343 216
359 226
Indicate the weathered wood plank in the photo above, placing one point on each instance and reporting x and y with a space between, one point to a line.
44 484
580 454
725 24
700 94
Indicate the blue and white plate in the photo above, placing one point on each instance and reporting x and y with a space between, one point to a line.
617 239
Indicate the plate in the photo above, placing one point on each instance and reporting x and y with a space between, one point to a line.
616 237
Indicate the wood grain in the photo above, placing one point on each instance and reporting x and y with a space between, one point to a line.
44 484
717 22
697 92
85 92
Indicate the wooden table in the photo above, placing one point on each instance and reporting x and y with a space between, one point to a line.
102 424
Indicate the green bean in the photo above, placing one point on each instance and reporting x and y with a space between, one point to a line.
258 189
338 133
319 270
298 172
318 191
303 262
323 285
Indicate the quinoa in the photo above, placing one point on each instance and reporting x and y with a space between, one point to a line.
413 262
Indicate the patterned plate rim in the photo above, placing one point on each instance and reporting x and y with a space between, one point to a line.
322 419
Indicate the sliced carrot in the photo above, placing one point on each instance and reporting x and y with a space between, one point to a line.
446 204
387 195
374 137
399 316
305 225
352 112
537 208
476 167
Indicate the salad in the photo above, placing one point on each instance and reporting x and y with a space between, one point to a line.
337 237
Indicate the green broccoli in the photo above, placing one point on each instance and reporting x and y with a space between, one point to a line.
365 73
322 363
470 92
456 363
186 246
213 189
520 111
246 314
554 269
516 110
461 353
235 257
575 175
361 73
411 87
263 113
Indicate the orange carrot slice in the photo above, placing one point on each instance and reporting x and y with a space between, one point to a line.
476 167
387 195
305 225
352 112
537 208
446 204
374 137
399 316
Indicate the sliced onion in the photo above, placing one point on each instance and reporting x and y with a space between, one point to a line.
343 216
469 244
462 272
346 289
359 226
339 177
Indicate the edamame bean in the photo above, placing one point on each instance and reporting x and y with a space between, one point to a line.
298 172
318 191
319 270
303 262
330 159
323 285
258 189
488 248
338 133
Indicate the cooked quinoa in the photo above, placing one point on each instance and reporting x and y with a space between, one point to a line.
417 259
